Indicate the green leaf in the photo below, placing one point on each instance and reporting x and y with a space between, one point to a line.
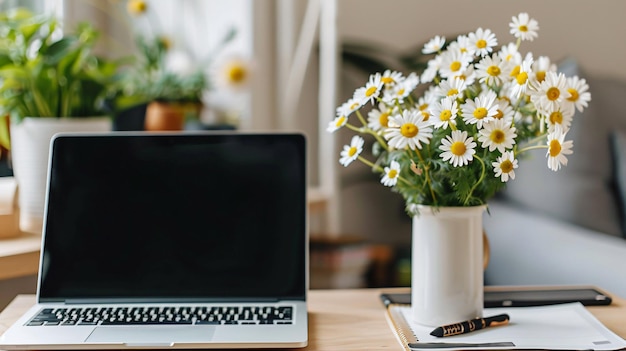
59 50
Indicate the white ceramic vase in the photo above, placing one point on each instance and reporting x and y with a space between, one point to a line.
447 265
30 147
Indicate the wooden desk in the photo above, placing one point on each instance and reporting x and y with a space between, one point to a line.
350 319
19 256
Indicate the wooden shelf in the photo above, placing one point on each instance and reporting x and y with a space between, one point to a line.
19 256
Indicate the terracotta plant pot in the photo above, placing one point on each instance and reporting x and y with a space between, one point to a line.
164 116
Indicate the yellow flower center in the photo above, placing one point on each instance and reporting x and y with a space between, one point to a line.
455 66
422 107
426 115
387 80
409 130
522 78
452 92
237 74
555 148
136 7
340 121
369 92
493 71
499 114
573 95
506 166
553 93
400 91
508 57
392 174
445 115
541 75
354 106
480 113
515 71
458 148
383 119
556 117
523 28
481 44
352 151
497 136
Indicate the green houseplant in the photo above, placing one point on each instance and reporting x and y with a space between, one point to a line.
48 74
50 81
171 85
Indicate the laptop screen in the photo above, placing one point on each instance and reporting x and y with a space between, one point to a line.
200 216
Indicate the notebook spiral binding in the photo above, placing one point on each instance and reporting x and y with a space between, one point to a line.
399 324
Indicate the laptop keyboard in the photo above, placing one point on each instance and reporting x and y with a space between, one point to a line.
222 315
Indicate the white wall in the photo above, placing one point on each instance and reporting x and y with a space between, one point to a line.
591 31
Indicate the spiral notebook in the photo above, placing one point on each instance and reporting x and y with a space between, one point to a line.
556 327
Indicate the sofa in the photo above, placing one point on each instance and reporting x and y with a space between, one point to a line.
568 227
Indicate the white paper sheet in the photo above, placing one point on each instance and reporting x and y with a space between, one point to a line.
555 327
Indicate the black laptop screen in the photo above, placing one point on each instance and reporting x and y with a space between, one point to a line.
175 216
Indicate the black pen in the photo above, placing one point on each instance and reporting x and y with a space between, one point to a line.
470 326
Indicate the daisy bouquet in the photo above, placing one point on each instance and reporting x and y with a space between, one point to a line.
480 109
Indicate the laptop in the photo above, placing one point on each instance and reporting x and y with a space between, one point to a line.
171 240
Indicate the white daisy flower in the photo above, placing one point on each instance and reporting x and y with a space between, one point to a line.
562 115
578 90
454 88
482 41
468 76
497 134
510 53
408 129
432 68
390 77
378 119
505 166
524 27
540 68
480 110
391 174
491 70
444 112
351 152
453 63
557 148
401 90
434 45
521 78
551 92
337 123
505 111
462 44
458 148
348 107
370 91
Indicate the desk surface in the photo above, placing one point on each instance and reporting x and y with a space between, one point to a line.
350 319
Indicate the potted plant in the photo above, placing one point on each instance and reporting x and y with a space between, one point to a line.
49 82
169 81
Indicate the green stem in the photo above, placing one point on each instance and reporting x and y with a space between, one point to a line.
380 169
427 176
480 180
532 148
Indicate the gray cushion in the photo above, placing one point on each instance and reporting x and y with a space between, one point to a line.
619 156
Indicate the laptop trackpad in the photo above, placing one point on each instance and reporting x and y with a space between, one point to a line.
152 334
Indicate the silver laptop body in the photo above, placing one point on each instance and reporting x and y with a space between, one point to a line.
171 240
